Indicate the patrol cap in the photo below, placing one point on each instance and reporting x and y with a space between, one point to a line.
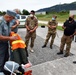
11 13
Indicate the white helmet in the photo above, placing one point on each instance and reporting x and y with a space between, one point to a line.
11 66
1 73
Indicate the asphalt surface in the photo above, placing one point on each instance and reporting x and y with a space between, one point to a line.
45 61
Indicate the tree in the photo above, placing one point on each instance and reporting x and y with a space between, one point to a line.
2 12
25 12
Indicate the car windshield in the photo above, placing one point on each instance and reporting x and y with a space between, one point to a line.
18 17
23 17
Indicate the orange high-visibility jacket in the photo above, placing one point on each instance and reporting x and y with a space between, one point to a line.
19 43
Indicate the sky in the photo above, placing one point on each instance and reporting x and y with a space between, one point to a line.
30 4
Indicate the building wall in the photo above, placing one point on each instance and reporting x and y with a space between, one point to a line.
72 12
43 13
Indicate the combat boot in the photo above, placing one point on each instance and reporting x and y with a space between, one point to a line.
51 47
43 46
59 53
74 62
66 55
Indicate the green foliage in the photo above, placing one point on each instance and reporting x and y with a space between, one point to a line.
25 12
2 12
63 13
61 16
42 24
59 28
60 7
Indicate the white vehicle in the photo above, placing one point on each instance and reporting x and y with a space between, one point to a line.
1 17
22 19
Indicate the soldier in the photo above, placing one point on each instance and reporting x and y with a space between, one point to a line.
31 26
69 31
4 37
52 25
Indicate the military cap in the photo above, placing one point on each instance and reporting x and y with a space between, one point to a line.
11 13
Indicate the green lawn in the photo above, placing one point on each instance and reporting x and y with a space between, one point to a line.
42 24
59 28
61 17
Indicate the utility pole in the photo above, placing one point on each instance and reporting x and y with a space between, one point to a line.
59 6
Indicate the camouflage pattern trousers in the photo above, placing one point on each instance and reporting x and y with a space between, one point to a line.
66 40
52 35
30 36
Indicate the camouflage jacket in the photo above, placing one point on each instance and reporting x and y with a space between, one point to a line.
52 23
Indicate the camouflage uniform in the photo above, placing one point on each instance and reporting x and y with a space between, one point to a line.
31 23
66 40
51 33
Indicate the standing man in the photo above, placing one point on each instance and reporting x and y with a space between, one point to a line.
17 12
15 23
4 37
69 31
14 27
52 25
31 26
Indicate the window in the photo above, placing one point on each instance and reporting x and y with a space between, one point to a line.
23 17
18 17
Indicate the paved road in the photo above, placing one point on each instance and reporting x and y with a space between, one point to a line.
46 61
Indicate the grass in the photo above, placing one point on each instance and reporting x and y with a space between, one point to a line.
61 17
58 27
42 24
